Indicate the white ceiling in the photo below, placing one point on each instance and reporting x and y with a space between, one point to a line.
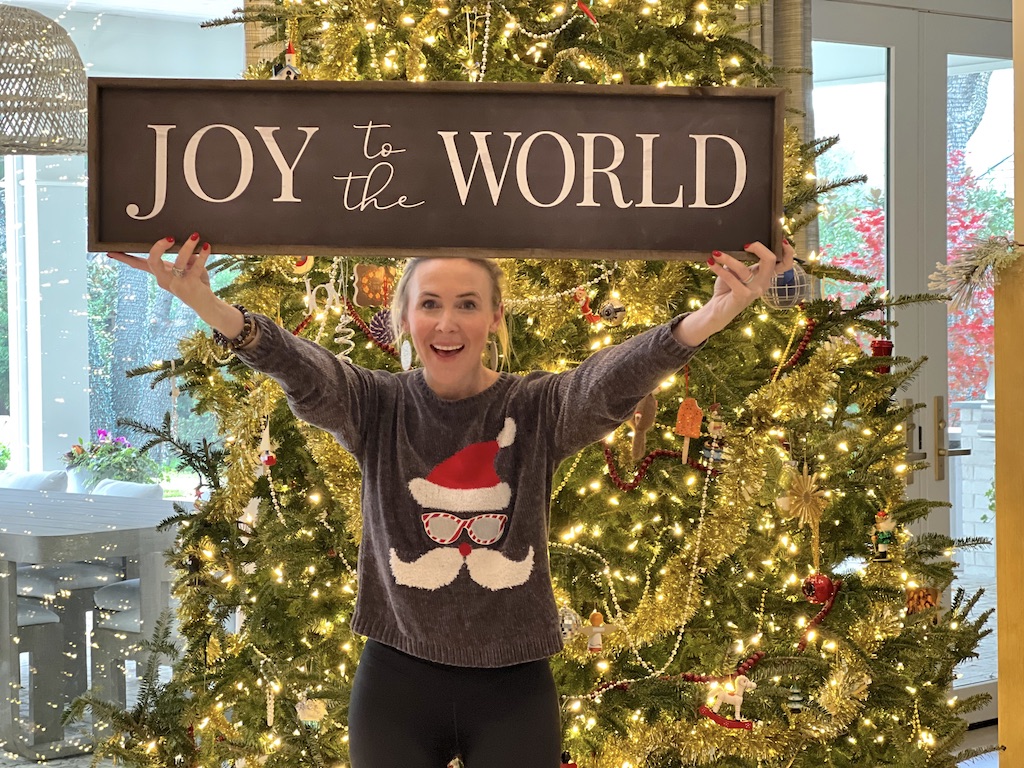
188 9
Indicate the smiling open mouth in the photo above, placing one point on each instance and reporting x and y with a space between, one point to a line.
447 351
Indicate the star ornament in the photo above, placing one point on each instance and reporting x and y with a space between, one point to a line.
805 501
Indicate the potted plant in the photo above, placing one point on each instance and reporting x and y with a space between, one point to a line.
107 457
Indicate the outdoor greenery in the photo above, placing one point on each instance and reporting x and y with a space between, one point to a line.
113 458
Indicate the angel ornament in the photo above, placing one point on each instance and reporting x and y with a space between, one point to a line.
596 631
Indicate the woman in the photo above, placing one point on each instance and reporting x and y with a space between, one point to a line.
457 460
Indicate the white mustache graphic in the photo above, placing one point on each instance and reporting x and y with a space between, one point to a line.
439 567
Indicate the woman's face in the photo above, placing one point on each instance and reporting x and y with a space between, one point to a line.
449 316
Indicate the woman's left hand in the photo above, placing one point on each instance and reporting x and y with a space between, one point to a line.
736 287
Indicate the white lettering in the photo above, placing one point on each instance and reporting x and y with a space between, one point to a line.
648 176
701 171
159 175
244 171
568 171
589 170
483 158
287 171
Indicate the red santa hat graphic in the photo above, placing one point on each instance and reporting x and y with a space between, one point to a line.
466 481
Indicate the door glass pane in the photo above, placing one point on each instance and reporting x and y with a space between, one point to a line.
851 103
979 205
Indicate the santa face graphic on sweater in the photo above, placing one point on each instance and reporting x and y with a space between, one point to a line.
469 494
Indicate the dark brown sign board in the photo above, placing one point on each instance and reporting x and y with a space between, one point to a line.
449 169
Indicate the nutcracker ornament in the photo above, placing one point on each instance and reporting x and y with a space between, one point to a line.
883 537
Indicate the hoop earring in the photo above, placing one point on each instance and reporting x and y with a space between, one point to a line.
493 348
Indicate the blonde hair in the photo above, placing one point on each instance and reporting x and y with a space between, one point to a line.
400 298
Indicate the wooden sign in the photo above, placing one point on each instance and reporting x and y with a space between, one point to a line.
444 169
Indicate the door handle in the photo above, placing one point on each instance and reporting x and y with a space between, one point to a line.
913 439
942 449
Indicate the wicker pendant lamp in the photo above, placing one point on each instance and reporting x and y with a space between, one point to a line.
42 86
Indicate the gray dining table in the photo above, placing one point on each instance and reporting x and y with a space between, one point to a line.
48 527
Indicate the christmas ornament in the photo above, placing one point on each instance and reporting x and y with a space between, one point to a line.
819 588
881 348
612 312
583 299
789 289
344 337
270 705
922 598
883 537
569 623
311 712
730 693
796 700
374 285
586 9
688 421
289 70
596 631
380 327
643 419
302 265
716 428
805 502
567 761
267 456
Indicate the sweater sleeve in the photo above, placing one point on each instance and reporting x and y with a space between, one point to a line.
321 389
593 399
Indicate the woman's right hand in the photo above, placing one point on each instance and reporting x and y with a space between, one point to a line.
186 278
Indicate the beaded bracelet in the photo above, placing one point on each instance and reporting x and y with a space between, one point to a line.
245 336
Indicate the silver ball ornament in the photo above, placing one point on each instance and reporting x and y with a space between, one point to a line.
788 289
569 623
612 312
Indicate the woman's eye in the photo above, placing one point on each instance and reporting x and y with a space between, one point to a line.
428 304
469 305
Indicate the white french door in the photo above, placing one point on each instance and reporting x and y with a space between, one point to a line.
884 77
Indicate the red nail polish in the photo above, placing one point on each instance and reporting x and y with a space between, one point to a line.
711 262
206 246
717 254
195 236
785 241
747 246
170 238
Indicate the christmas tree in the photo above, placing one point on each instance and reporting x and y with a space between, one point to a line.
748 526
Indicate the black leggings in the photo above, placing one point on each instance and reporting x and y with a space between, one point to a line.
410 713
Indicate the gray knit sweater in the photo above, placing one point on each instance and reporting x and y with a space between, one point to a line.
453 563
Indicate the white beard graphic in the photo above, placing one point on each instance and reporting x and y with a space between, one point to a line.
439 568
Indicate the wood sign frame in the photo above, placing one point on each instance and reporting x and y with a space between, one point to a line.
438 169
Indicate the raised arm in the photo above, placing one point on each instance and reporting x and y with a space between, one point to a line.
736 287
185 277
